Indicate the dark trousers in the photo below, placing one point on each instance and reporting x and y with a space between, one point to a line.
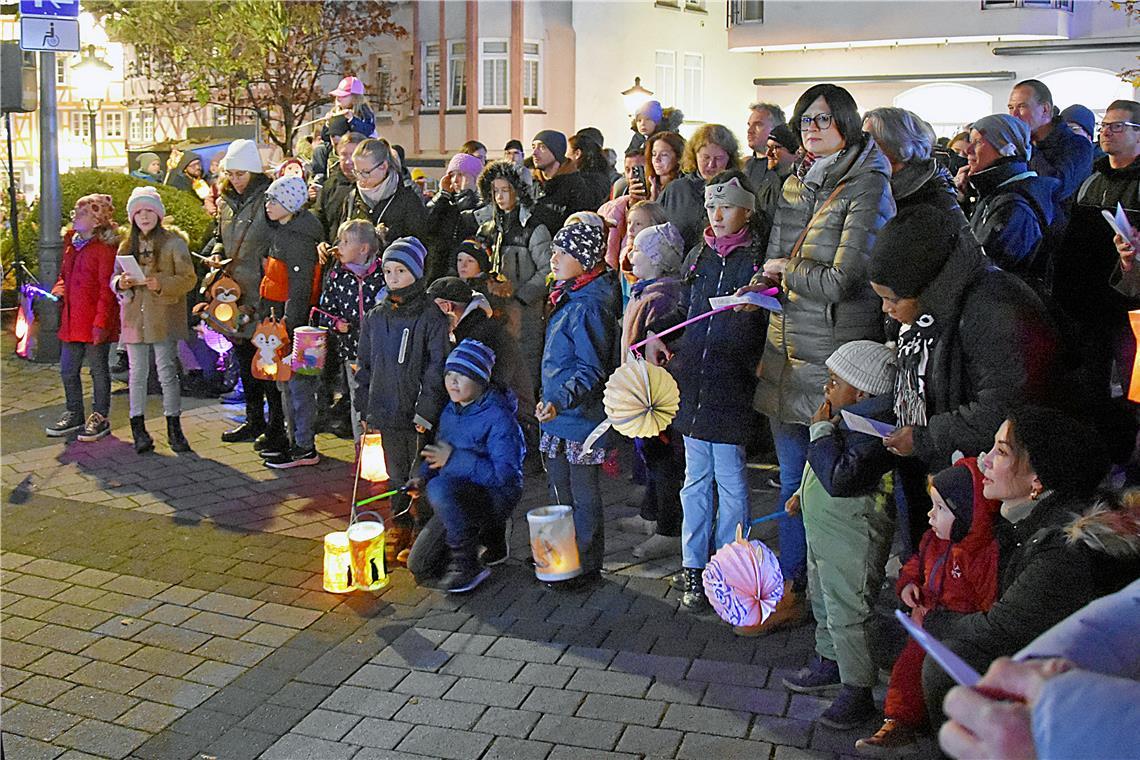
464 516
258 393
579 486
401 450
665 470
71 357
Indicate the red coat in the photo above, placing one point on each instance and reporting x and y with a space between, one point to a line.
960 577
85 284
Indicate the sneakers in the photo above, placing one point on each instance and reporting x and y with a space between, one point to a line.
821 675
637 524
495 553
95 428
657 546
294 457
892 740
790 611
68 423
270 446
694 598
852 708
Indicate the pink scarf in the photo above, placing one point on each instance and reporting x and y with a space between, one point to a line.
729 243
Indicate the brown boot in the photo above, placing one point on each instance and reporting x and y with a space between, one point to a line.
790 611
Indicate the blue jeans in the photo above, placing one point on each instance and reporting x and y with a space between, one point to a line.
707 465
581 483
71 362
791 450
303 397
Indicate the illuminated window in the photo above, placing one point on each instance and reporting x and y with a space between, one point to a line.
494 67
456 74
946 106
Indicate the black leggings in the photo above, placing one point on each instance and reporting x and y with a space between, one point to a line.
258 392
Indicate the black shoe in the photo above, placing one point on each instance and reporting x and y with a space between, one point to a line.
121 369
461 578
295 457
68 423
271 446
693 599
174 436
247 431
852 708
498 547
578 582
95 428
143 441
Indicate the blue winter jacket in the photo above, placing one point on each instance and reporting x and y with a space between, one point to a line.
487 445
848 463
578 359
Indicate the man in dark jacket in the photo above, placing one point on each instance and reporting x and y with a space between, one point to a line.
562 191
339 182
188 170
1017 218
381 197
780 154
1057 152
762 119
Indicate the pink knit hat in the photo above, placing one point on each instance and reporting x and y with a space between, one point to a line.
462 163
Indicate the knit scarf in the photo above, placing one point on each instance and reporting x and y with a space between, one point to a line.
562 290
915 343
637 288
381 192
726 244
405 296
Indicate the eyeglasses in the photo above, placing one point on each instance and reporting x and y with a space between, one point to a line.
821 120
366 172
1116 127
774 150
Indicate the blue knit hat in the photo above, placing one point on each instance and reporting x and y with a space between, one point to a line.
585 242
408 251
653 110
472 359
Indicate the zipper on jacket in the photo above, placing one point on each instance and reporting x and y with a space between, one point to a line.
404 343
705 352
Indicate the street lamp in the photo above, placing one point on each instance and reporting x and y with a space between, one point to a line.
92 76
635 96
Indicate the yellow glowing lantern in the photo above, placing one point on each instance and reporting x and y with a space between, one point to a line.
372 466
553 543
1134 386
223 312
366 545
338 563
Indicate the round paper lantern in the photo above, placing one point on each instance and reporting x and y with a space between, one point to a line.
641 399
743 582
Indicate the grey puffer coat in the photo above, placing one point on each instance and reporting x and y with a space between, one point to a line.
827 295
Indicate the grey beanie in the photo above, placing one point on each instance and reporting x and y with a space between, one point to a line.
1008 135
866 365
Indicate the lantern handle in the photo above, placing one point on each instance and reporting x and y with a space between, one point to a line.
359 515
766 518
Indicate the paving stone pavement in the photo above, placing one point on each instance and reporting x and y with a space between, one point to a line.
167 607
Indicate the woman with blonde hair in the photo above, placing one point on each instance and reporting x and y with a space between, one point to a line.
711 150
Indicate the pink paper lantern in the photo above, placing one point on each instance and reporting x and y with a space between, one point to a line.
743 582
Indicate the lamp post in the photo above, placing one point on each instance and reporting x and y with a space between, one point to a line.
635 96
92 77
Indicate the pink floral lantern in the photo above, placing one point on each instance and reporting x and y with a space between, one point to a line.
743 581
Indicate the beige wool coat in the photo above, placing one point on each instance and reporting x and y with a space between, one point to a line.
148 316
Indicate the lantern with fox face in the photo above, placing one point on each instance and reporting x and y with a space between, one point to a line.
271 360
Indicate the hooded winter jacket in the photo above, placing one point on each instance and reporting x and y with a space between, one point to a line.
827 295
487 445
244 234
349 296
562 195
291 285
995 348
178 179
88 301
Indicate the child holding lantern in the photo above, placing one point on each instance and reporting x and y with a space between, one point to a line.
403 344
576 362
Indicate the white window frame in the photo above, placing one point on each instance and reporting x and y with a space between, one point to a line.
528 59
113 125
79 123
456 64
148 126
219 116
62 66
485 59
692 103
134 127
665 92
429 102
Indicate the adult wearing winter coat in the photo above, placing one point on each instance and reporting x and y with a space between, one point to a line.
765 180
561 189
339 182
585 151
819 249
243 236
1057 151
381 197
711 150
1044 468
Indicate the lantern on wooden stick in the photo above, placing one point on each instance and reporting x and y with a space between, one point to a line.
553 543
372 465
338 563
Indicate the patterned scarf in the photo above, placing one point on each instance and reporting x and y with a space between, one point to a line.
915 343
561 291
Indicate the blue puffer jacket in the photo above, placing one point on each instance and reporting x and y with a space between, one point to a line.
578 359
401 353
715 359
487 445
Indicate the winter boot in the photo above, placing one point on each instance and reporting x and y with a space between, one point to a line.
174 436
853 707
143 441
465 571
790 611
694 598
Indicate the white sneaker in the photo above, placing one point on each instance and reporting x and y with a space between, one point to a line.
637 524
658 546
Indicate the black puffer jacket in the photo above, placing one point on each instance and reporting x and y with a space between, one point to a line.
294 244
684 202
562 195
995 348
1063 155
451 218
330 202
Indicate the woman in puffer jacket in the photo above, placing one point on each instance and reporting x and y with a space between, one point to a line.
833 204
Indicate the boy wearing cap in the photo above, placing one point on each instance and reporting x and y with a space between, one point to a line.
473 472
843 500
402 348
289 288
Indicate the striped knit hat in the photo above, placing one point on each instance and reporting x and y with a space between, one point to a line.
473 359
408 251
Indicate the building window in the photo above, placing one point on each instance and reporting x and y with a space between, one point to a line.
457 74
219 116
665 83
383 86
532 75
695 5
745 12
946 106
141 127
113 124
692 84
62 64
431 77
493 66
80 124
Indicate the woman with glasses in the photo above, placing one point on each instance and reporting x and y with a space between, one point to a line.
833 204
381 198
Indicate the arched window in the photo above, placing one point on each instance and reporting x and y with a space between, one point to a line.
1092 88
947 106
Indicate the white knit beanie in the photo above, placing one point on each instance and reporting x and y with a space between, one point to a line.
145 197
291 192
866 365
242 156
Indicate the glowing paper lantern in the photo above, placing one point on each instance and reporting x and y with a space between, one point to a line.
338 563
743 581
1134 386
553 543
24 318
366 544
372 466
310 346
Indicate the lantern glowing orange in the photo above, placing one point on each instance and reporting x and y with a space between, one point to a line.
338 563
1134 386
366 545
372 466
553 543
22 331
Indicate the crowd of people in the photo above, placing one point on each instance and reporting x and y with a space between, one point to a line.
973 307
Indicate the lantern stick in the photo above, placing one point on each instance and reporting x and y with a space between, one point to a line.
773 516
688 322
379 496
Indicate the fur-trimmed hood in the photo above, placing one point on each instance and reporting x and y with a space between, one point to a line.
518 176
1111 527
671 119
112 235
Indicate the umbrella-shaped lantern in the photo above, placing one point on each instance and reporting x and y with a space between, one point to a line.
743 581
641 399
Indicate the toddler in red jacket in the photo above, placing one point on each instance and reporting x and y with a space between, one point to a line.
953 573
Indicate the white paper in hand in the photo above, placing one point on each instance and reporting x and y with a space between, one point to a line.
748 299
1119 222
861 424
130 267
